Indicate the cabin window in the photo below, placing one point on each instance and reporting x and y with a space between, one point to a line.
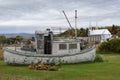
39 36
62 46
72 46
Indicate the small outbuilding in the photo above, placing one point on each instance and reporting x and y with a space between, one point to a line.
100 35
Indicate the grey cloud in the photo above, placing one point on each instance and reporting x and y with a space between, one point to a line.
47 10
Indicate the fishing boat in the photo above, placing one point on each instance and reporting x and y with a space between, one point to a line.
46 49
49 51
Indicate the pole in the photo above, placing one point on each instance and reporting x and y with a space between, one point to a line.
90 26
67 19
75 23
96 25
69 23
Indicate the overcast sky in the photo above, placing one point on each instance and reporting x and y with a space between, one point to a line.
29 15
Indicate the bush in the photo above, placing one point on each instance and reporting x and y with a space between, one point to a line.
98 58
1 58
1 54
118 34
110 46
97 42
105 46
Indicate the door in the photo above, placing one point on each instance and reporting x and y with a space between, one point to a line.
47 45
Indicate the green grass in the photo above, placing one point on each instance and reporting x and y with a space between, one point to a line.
107 70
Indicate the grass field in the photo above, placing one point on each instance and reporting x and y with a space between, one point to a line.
107 70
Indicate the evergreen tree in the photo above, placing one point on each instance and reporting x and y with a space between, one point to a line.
113 29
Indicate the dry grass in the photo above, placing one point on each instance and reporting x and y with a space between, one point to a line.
1 53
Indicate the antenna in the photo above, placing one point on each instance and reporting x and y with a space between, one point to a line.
96 25
75 23
90 26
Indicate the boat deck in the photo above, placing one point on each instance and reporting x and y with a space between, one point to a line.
18 51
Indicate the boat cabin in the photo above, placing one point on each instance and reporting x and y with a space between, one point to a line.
46 45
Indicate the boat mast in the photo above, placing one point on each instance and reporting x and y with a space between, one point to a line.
67 20
75 23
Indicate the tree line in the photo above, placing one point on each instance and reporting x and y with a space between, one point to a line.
5 40
83 32
114 29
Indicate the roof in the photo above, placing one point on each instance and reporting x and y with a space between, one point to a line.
99 32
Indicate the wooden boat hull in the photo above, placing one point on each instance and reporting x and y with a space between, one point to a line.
16 57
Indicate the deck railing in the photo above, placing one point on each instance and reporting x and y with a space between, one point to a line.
34 54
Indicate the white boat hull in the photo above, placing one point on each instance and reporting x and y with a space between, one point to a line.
16 57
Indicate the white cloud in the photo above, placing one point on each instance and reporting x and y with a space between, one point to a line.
49 13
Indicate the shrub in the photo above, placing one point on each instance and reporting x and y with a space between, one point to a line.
111 46
97 42
1 54
105 46
118 34
98 58
1 57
